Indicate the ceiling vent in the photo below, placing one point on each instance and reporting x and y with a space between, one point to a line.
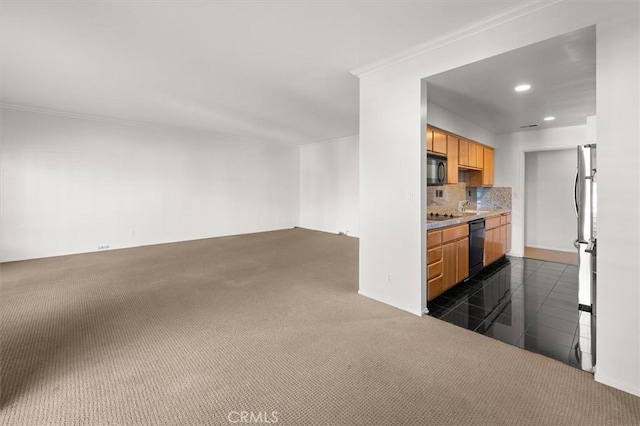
528 126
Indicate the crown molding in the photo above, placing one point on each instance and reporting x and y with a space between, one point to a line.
476 27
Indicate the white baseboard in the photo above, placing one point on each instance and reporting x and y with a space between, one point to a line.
616 384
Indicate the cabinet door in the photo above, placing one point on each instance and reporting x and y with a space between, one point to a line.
479 156
487 169
500 237
439 142
488 246
462 247
463 152
472 154
449 265
429 139
452 159
508 238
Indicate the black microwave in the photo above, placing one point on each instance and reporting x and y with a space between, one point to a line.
436 169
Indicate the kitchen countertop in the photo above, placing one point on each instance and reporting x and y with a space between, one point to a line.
468 217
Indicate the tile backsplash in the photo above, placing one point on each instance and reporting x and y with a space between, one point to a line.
478 198
451 195
493 198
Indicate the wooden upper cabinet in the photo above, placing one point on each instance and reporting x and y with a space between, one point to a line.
463 153
479 156
473 157
487 169
470 154
452 159
439 142
476 159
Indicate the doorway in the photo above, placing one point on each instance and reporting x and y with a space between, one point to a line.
549 213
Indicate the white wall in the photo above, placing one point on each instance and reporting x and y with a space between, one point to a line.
550 220
329 186
72 184
510 168
391 165
447 120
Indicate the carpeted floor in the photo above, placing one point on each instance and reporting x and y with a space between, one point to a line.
196 333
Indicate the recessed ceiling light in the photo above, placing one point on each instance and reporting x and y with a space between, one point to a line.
522 87
550 118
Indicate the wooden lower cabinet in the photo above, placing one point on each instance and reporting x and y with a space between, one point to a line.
434 287
447 258
449 265
493 245
497 238
462 249
448 252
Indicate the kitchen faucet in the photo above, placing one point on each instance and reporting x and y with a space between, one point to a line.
461 205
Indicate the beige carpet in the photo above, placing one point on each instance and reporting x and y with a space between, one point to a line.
195 333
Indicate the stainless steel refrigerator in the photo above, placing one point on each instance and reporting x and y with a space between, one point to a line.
585 195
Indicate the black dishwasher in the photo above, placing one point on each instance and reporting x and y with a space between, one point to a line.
476 246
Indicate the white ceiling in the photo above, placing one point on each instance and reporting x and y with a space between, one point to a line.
561 71
264 70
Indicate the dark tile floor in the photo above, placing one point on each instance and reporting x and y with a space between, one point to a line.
528 303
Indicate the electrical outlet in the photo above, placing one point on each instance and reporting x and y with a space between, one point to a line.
388 278
103 247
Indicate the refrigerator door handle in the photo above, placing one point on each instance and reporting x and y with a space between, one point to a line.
575 193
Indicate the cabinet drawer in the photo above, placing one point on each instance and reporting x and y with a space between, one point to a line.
455 232
434 288
434 255
434 238
435 269
503 219
492 222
